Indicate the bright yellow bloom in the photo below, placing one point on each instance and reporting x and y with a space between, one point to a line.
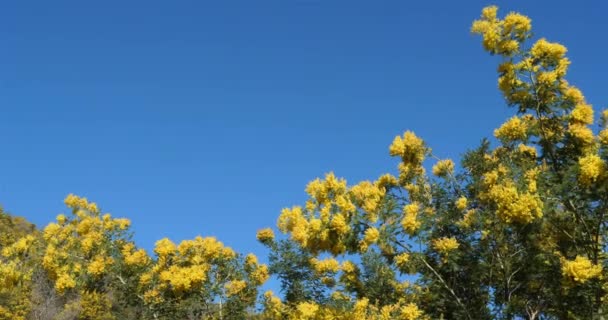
386 181
513 206
445 245
461 203
61 219
371 236
251 260
467 219
529 151
265 235
410 222
582 133
410 312
443 168
603 137
260 274
368 196
165 247
580 269
410 148
97 266
348 267
549 50
582 113
136 258
338 223
272 305
401 260
64 282
517 23
513 129
235 287
329 265
591 167
573 94
306 310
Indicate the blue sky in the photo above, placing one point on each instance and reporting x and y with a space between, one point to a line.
208 117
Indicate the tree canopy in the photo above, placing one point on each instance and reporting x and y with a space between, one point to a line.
512 231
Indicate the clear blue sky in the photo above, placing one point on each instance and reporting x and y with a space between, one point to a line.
208 117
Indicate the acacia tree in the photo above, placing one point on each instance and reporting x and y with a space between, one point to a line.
84 266
516 232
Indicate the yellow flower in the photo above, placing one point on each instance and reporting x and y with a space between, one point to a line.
251 260
410 222
410 148
165 247
306 310
573 94
580 269
122 223
260 274
265 235
371 236
235 287
603 137
461 203
443 168
61 219
582 113
338 223
513 206
386 181
445 245
591 167
410 312
329 265
513 129
401 260
467 219
98 265
136 258
64 282
582 133
544 49
529 151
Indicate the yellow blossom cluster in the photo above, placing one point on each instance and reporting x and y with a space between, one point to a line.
265 235
368 196
512 130
526 150
443 168
97 266
329 265
370 236
580 269
591 168
133 256
185 267
323 224
81 244
412 151
235 287
461 203
410 222
445 244
410 312
401 260
513 206
502 36
273 306
467 220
